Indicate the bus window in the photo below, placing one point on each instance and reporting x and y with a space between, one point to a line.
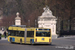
30 33
11 33
16 33
21 33
44 34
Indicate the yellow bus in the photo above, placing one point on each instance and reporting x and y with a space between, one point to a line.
20 34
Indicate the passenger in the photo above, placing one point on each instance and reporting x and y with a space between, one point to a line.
5 34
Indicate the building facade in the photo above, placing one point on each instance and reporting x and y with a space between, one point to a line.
17 19
47 20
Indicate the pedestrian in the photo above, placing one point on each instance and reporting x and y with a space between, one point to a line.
5 34
0 36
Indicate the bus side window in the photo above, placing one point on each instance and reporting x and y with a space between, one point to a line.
16 33
22 33
9 33
30 33
12 33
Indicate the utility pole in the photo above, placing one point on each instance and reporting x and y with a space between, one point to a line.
29 23
70 18
35 23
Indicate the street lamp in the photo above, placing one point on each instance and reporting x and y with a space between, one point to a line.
35 23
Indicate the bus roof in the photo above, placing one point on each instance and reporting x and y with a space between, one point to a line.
22 28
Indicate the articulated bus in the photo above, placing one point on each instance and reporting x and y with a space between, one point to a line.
29 35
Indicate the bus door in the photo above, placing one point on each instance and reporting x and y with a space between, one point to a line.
30 36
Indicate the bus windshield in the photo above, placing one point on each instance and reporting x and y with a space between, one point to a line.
43 34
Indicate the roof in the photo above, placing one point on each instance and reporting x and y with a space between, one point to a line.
47 14
18 18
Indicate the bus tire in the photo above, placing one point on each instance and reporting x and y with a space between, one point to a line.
31 42
50 44
11 40
20 41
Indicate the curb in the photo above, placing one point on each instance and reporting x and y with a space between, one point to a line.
3 39
67 37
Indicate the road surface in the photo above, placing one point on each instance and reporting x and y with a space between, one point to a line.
57 44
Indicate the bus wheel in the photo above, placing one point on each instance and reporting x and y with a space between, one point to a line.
20 41
31 42
11 40
50 44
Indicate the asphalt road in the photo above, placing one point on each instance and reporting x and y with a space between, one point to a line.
57 44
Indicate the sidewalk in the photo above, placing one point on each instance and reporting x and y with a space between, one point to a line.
3 38
68 36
